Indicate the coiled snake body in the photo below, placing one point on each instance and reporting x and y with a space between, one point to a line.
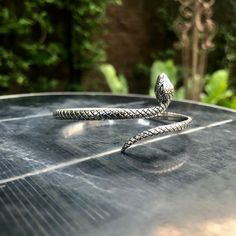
164 92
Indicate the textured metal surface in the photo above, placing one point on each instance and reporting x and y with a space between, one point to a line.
164 91
69 178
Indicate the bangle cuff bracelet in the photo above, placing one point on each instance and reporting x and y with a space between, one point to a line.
164 92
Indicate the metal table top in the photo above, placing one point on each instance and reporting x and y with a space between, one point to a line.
69 178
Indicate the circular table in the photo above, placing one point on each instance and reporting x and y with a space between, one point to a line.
61 177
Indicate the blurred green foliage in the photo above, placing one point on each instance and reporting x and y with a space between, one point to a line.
217 90
116 83
49 44
119 84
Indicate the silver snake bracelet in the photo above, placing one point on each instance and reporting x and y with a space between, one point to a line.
164 92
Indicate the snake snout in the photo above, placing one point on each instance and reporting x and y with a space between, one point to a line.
164 89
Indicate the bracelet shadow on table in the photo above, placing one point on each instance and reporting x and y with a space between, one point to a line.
157 156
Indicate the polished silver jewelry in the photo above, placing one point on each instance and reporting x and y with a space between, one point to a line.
164 92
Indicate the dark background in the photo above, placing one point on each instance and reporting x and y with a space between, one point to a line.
55 45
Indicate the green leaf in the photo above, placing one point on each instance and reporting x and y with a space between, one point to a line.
24 22
216 87
20 79
229 102
117 83
233 103
124 84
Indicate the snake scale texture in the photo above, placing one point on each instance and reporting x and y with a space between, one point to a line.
164 92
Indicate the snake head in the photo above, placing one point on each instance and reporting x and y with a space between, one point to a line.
164 89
